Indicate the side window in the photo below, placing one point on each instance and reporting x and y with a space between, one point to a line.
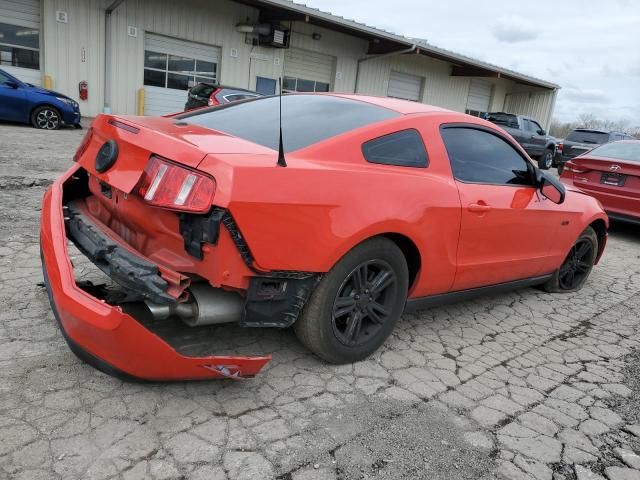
3 78
535 126
478 156
404 148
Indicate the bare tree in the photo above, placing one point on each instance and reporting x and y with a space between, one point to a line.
589 120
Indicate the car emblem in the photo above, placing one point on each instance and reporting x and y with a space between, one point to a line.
614 167
107 156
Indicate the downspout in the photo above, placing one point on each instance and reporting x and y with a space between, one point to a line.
411 49
107 53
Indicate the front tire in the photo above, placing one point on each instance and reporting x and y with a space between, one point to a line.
574 271
356 304
46 118
545 162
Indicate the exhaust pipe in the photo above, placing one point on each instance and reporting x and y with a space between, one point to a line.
207 306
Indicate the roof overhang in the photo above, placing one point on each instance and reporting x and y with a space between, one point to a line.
382 42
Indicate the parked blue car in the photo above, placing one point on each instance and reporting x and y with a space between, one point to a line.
42 108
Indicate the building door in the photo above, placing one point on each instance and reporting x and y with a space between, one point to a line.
405 86
171 67
20 39
265 86
306 71
479 97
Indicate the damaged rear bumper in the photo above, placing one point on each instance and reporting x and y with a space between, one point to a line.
106 337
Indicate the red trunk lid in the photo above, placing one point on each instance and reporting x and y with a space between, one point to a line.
140 137
600 174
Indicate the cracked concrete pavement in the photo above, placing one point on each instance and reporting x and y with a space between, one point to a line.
523 385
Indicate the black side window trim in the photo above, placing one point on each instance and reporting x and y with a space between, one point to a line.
482 128
400 163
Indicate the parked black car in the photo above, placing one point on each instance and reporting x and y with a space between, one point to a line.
528 133
581 140
204 94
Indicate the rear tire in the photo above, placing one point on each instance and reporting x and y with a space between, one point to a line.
46 117
356 304
545 162
574 271
560 168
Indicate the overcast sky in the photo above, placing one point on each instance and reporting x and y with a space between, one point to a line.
590 48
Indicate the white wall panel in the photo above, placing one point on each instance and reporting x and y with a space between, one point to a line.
534 102
74 51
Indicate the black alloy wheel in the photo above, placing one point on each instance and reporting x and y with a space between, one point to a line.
577 266
356 304
364 302
574 271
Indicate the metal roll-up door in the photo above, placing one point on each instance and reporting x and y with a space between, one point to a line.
405 86
479 97
307 71
20 33
171 67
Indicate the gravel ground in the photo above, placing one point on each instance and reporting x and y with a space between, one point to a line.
524 385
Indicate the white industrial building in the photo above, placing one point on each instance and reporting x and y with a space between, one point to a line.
140 56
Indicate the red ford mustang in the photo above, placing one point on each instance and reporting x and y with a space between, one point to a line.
610 173
367 207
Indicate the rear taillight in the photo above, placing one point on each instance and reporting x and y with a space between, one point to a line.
212 98
572 167
167 185
84 144
560 147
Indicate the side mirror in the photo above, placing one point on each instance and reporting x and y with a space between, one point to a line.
550 187
11 84
541 132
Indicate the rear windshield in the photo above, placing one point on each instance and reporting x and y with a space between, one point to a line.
588 136
202 90
306 119
503 119
619 151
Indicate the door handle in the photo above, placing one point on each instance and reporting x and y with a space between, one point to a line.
480 207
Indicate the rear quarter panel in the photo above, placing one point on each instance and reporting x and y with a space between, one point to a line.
329 199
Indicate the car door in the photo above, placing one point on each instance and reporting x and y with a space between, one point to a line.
13 104
526 135
538 138
506 226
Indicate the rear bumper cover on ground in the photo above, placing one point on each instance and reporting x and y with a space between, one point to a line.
104 336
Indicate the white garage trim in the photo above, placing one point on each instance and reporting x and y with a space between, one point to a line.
171 66
20 39
405 86
479 97
307 71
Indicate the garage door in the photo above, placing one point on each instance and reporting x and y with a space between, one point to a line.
479 96
306 71
171 66
405 86
20 39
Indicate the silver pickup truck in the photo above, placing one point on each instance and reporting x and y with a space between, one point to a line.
529 134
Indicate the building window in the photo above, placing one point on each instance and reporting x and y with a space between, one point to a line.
291 84
176 71
19 46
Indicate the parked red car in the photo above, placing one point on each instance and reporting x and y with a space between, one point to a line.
367 207
610 173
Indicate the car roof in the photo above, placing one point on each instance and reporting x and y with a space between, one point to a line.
596 130
401 106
